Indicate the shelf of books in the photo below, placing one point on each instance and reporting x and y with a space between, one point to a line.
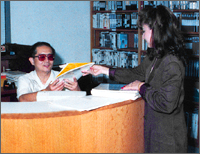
115 33
116 39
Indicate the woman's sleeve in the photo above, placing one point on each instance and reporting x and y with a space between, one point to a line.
129 75
166 98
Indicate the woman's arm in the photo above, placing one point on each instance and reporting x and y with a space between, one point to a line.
96 70
129 75
166 97
123 75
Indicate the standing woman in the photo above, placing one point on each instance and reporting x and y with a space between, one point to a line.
159 80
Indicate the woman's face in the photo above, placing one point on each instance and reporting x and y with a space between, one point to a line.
147 35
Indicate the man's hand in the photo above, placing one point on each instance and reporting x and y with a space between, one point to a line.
55 86
73 86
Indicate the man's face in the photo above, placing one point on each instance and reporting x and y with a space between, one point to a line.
42 66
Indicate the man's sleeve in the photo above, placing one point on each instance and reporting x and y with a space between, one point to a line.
23 86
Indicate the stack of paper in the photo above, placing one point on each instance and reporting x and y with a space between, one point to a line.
3 78
59 95
114 91
12 76
77 100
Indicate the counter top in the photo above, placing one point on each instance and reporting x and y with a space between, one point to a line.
85 103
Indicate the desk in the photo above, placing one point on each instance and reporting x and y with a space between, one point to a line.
8 95
114 128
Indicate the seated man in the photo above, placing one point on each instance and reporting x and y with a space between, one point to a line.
42 58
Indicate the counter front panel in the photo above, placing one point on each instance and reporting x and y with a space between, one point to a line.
115 128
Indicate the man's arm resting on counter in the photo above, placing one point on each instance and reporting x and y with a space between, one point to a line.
30 97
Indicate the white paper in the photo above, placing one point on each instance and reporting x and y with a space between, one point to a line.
103 90
84 103
58 95
76 72
77 100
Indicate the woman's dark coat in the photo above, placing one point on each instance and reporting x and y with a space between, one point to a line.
164 122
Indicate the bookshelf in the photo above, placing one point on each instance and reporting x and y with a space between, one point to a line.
132 32
191 101
188 14
103 7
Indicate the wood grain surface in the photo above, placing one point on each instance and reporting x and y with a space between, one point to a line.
116 128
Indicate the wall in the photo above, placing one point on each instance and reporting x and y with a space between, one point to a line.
64 24
2 23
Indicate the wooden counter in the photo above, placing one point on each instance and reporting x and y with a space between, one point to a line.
115 128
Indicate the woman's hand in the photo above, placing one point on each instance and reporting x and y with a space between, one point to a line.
96 70
73 86
55 86
133 85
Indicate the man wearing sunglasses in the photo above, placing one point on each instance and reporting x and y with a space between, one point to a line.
42 58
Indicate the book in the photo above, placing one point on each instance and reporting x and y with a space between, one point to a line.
122 40
107 86
114 91
71 70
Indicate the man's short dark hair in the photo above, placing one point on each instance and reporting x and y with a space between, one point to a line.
33 50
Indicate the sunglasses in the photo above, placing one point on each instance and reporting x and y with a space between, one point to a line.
42 57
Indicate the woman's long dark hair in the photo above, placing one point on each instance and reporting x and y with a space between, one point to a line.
167 38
